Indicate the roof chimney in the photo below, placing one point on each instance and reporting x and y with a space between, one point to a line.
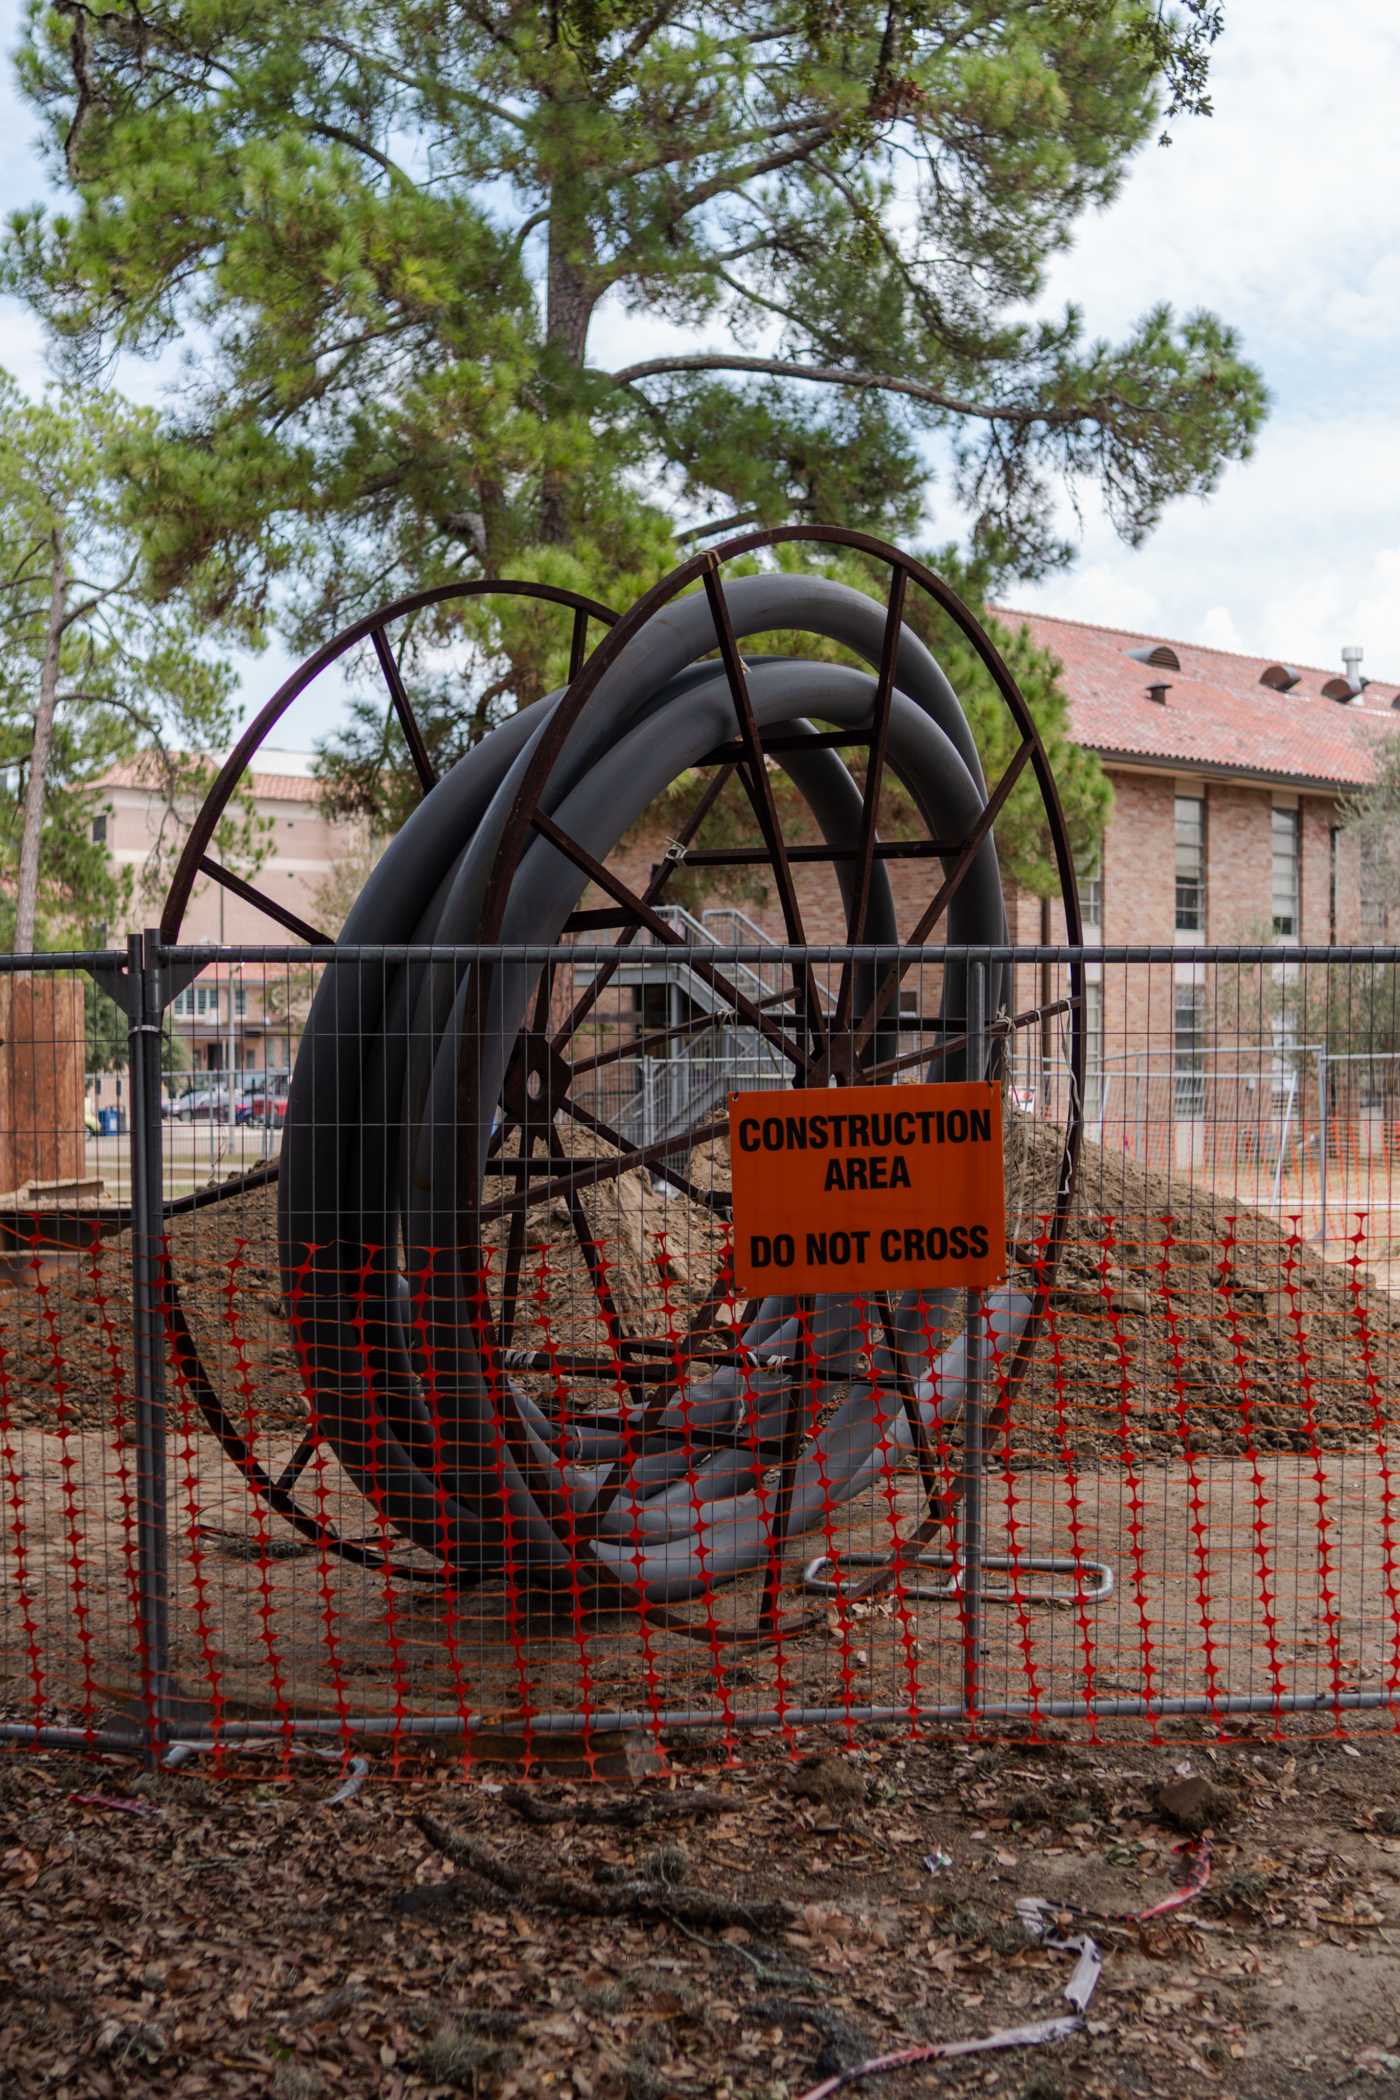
1351 657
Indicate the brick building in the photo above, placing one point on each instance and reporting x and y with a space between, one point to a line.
1229 773
228 1017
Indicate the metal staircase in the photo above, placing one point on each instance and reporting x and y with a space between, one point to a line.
652 1098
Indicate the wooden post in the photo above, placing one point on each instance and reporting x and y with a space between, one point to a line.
42 1080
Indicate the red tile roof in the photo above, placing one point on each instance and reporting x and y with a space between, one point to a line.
266 787
1217 716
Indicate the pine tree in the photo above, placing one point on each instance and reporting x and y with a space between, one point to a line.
387 233
93 672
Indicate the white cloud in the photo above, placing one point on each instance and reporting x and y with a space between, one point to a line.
1219 630
1298 553
22 348
1280 209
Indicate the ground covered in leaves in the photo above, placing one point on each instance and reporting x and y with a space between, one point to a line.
731 1934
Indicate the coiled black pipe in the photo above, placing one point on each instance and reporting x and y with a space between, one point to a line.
396 1087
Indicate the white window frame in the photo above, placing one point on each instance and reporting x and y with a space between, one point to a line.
197 1002
1187 795
1286 814
1188 1054
1093 1044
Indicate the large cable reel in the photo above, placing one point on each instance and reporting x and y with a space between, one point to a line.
432 1092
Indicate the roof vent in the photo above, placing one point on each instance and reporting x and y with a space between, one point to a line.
1159 694
1160 655
1351 657
1280 678
1338 689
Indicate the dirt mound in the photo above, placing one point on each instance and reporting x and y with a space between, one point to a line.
1182 1318
1178 1317
65 1323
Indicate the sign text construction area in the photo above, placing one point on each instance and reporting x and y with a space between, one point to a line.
882 1187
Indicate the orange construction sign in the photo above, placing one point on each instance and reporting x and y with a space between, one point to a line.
880 1187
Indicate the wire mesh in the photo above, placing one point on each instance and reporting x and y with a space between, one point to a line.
402 1310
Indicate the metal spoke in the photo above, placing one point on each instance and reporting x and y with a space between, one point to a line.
760 792
882 849
640 1045
237 887
583 1174
705 1197
408 721
928 1053
597 1274
602 921
614 886
948 889
874 781
660 876
781 740
297 1464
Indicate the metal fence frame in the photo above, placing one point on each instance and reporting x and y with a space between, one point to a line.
144 981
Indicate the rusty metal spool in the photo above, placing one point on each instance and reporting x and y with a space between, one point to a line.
653 678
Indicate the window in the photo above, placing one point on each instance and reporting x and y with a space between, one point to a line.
1375 912
1285 873
197 1002
1190 864
1334 840
1090 881
1093 1048
1189 1049
99 830
240 1000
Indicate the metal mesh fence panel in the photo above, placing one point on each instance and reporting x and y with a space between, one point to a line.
373 1363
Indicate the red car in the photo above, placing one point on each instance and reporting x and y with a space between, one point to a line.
264 1102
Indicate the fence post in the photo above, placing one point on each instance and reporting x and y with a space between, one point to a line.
973 1423
1323 1138
147 1228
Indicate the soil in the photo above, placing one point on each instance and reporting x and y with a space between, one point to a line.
1180 1315
1278 1577
176 1933
1177 1312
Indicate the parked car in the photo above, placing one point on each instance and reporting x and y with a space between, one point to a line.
265 1100
204 1104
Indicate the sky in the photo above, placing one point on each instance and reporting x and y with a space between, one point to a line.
1282 214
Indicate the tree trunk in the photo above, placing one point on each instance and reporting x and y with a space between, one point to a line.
27 888
570 297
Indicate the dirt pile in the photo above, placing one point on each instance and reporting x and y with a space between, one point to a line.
65 1322
1177 1317
1179 1313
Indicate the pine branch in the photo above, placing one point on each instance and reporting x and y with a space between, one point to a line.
338 137
837 375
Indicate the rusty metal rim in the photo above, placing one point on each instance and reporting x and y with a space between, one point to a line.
236 764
